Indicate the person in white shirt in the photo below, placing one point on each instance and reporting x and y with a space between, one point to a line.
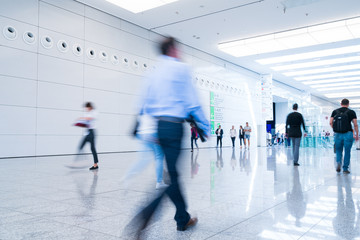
233 135
268 138
90 117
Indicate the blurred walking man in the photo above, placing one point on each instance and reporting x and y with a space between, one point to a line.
340 121
294 121
171 98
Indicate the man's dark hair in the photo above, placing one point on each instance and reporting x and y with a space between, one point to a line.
345 102
89 105
166 45
295 106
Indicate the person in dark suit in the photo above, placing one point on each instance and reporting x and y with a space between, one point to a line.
219 134
294 121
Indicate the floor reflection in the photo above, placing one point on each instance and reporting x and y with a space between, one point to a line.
346 224
295 200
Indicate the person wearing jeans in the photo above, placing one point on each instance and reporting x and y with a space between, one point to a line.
294 121
170 97
147 133
340 121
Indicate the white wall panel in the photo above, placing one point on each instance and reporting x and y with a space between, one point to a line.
18 91
69 5
104 101
129 83
102 34
135 44
129 104
17 120
20 29
108 124
22 10
100 78
53 145
57 96
18 63
102 17
57 122
52 69
17 145
60 20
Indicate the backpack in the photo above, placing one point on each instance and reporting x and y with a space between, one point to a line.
341 122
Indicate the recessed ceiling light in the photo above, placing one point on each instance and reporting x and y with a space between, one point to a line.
332 80
317 63
323 70
333 75
337 88
343 94
303 37
334 84
137 6
310 55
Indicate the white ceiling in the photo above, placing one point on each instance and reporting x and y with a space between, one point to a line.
203 24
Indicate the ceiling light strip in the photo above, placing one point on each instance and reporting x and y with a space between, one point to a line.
317 63
333 75
323 70
310 55
341 30
332 80
343 94
335 84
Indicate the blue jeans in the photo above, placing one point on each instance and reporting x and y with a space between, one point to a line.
170 136
148 145
343 140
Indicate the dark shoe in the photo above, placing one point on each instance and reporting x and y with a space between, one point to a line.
338 168
346 172
192 222
296 164
94 168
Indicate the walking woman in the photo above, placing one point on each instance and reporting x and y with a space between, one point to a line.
90 117
242 136
194 136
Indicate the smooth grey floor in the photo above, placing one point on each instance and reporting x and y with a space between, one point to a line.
236 193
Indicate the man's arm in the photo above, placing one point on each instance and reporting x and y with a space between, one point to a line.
332 122
356 128
287 124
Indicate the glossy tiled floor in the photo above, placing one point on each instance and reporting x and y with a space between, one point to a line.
237 194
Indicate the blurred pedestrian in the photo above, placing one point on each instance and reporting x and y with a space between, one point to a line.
89 120
294 121
170 97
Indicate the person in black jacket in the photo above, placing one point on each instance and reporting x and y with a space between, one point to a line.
294 121
219 134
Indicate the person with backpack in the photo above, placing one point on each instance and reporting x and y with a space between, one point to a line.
294 121
340 121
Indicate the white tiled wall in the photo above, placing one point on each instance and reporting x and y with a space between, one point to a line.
44 85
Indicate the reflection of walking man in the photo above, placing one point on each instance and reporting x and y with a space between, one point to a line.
219 134
294 121
170 97
295 199
344 223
